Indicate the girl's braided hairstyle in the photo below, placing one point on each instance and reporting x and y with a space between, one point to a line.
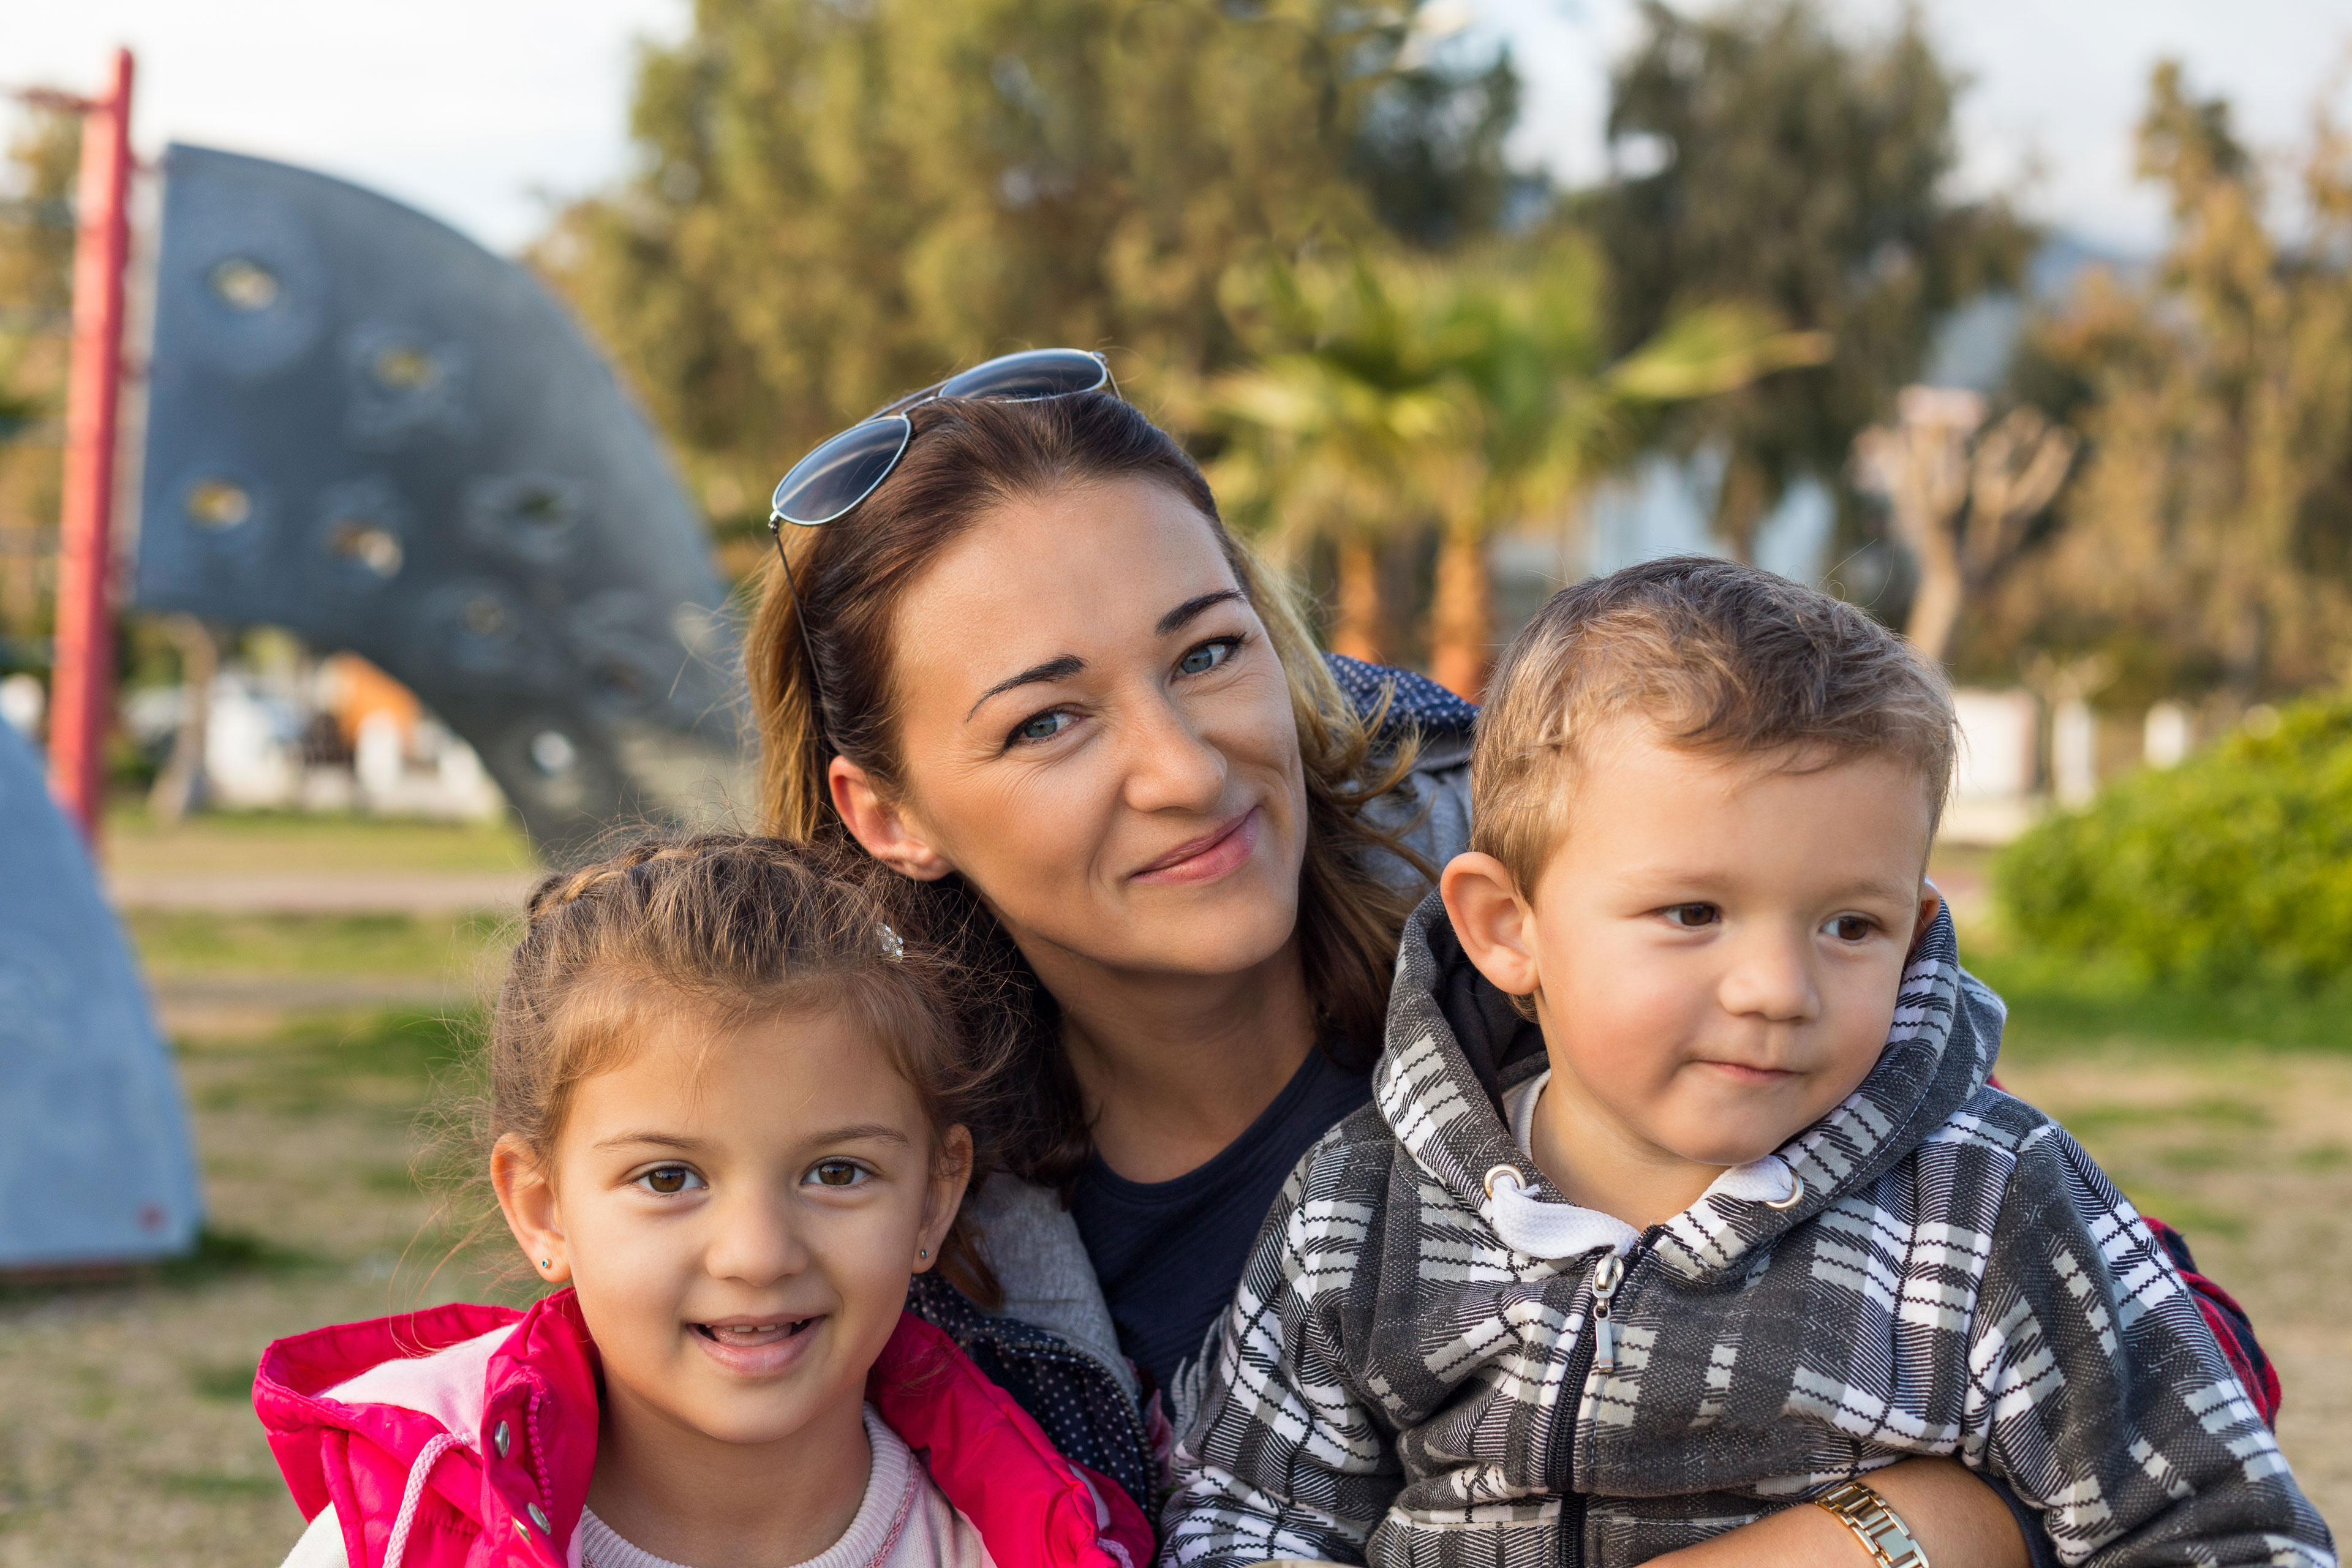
726 929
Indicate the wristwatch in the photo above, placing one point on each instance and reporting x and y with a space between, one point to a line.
1879 1527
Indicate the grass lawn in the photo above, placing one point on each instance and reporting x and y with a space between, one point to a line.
245 841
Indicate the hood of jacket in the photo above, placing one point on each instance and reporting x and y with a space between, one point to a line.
1455 1044
466 1435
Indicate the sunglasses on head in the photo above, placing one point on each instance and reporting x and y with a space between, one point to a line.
834 480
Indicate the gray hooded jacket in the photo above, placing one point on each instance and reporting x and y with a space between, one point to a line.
1400 1384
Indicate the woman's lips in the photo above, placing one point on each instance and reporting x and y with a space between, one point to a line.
761 1348
1207 857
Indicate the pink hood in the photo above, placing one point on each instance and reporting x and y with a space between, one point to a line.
466 1436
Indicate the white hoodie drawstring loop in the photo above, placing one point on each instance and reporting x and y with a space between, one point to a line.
413 1494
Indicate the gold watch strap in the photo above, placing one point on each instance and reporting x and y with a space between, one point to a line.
1879 1527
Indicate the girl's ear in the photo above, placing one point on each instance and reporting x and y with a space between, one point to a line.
878 825
951 1174
1496 927
527 1199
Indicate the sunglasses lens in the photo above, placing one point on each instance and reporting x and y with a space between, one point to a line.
841 472
1028 377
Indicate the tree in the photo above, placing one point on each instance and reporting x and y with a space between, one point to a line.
1395 391
37 244
1961 504
1763 157
841 202
2208 541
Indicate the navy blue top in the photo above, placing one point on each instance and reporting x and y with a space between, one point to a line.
1169 1254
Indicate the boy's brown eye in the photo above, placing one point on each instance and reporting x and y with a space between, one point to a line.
1851 928
1694 914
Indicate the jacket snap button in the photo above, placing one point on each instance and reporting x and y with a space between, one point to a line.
537 1517
521 1531
499 1439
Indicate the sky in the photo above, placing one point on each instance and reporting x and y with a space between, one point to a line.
488 112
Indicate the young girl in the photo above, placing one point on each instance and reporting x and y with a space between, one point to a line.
726 1108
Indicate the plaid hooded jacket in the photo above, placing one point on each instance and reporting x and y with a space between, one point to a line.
1398 1386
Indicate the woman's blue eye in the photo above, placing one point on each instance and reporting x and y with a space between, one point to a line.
1043 727
1206 658
1693 916
670 1180
837 1173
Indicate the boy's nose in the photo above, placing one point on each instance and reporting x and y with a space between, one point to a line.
1772 977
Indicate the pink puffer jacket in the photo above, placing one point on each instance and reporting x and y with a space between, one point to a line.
481 1454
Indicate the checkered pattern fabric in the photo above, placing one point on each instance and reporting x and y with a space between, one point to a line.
1398 1387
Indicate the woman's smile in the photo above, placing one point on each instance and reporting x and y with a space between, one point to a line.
1209 856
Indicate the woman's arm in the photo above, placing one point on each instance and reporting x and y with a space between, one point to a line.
1958 1520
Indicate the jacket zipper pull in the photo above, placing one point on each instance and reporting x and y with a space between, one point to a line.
1607 1275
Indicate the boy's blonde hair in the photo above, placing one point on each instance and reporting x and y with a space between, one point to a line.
1729 661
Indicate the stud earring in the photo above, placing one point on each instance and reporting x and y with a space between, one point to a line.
543 1263
922 1254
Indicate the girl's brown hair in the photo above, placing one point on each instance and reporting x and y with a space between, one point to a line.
966 458
728 930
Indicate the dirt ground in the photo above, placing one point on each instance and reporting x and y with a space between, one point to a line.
309 1044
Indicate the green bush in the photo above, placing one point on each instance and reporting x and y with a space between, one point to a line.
2233 869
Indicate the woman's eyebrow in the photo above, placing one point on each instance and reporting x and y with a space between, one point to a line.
1183 614
1061 668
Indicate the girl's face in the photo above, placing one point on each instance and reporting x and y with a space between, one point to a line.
1098 735
740 1213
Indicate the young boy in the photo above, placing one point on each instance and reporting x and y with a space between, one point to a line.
1738 1221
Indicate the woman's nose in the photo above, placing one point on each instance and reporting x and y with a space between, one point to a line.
1170 765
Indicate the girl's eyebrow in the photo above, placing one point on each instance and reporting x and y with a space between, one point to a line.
658 1139
877 1130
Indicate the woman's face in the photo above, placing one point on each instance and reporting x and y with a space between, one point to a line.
1095 731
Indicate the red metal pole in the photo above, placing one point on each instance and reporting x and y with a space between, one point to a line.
81 696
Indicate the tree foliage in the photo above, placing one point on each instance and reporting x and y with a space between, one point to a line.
842 201
2232 870
2208 541
1766 158
1389 392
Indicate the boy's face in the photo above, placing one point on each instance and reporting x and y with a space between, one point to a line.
1714 949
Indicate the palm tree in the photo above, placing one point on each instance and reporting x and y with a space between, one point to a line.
1395 393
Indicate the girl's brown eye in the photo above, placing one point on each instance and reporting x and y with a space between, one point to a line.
837 1173
667 1180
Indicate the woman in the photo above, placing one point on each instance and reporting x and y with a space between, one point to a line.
1016 655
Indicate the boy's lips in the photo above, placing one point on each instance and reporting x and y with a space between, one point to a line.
1211 854
1743 1072
757 1347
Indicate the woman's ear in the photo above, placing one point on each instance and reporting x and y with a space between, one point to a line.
527 1198
876 823
1494 924
951 1174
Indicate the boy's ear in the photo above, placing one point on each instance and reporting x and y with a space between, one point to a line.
527 1199
878 824
1931 903
1494 925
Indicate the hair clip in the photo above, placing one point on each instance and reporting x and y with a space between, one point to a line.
893 945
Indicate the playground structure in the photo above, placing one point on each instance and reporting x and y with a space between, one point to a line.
362 429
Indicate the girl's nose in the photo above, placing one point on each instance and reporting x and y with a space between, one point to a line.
754 1242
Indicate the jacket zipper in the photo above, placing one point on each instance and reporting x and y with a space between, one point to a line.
1599 1351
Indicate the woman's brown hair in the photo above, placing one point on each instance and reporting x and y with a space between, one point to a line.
966 458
